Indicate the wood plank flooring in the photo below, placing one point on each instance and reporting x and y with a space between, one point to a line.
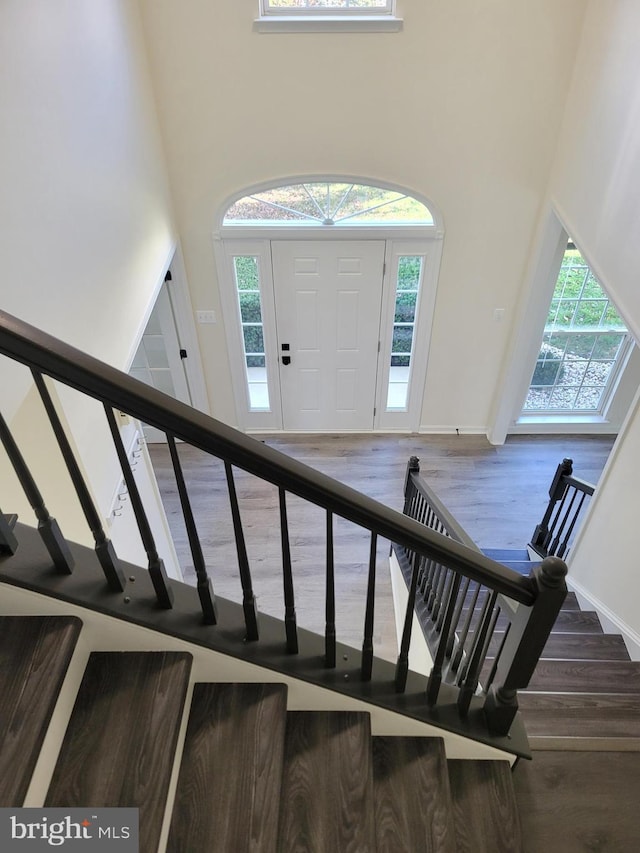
497 493
484 808
412 796
239 727
327 784
34 656
579 802
118 748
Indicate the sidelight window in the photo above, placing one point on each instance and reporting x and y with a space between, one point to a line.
248 292
408 278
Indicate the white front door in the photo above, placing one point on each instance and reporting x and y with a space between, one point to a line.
327 304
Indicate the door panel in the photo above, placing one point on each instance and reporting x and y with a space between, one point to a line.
328 300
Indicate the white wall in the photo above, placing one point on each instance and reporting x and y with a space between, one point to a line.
463 106
86 226
595 189
597 172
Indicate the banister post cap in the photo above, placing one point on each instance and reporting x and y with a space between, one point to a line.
553 571
414 463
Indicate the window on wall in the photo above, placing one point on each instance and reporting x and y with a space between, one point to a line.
584 344
331 7
408 278
282 16
328 204
245 269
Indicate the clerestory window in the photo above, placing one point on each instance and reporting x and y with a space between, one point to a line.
584 345
326 7
327 15
330 204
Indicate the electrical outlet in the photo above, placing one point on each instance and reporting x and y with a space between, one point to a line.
206 316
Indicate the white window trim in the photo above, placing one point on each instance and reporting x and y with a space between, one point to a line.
387 9
327 20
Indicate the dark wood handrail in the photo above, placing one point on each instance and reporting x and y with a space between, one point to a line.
455 530
52 357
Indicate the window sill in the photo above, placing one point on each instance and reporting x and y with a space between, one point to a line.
563 425
328 24
561 419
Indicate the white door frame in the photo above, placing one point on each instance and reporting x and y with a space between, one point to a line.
185 327
398 242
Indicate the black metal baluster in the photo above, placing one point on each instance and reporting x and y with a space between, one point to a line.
562 549
565 517
462 639
48 528
541 534
437 570
446 597
496 660
555 520
481 613
456 616
248 598
8 542
402 666
367 646
435 677
104 549
287 578
157 571
480 646
330 600
204 585
440 593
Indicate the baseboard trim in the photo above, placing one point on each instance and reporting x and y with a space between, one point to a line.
447 429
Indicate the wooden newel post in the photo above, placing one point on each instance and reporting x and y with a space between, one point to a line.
8 542
556 493
413 467
528 634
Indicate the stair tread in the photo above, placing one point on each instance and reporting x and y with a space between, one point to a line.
569 676
593 715
327 787
119 746
411 795
35 652
567 621
484 807
569 646
513 554
240 726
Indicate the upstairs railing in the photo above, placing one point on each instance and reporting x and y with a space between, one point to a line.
568 497
428 549
473 628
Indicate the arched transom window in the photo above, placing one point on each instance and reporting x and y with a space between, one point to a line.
326 203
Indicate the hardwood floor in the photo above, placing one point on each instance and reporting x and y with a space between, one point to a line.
579 802
497 493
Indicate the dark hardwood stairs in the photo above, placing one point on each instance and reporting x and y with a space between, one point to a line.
585 692
252 775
